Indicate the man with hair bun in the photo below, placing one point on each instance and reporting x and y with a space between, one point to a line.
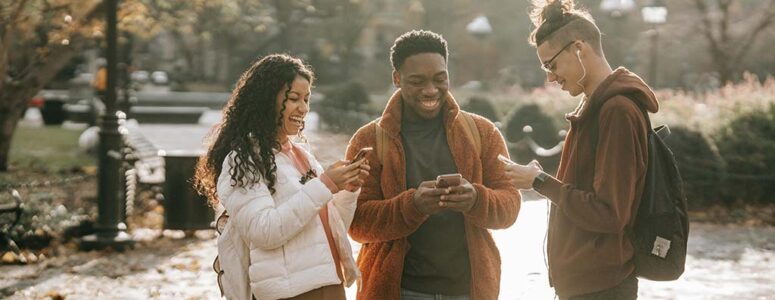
596 191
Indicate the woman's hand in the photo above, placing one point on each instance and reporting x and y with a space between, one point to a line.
363 166
343 173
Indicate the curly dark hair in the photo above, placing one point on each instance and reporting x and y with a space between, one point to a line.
250 122
416 42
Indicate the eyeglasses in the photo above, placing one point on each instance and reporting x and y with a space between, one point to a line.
548 66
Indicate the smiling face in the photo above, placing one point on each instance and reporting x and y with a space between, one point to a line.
424 82
296 107
565 69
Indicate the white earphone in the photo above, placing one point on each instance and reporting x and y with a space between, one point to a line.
578 54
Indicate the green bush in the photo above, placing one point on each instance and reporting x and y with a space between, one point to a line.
544 133
345 107
747 146
351 95
342 121
483 107
700 166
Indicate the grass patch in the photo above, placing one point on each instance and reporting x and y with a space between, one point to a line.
49 149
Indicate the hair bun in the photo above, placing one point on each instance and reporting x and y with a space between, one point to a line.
555 10
552 11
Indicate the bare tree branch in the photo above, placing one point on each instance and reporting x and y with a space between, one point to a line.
707 28
8 32
43 69
767 19
723 6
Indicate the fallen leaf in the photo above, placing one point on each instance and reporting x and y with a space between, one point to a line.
9 257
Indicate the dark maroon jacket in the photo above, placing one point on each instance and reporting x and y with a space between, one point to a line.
597 187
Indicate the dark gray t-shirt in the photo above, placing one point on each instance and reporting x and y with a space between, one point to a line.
437 261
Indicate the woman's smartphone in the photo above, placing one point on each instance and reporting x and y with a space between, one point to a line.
448 180
505 160
362 153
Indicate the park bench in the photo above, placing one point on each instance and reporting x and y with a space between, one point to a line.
172 99
84 113
167 114
169 171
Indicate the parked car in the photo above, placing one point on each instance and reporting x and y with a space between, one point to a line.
140 76
160 78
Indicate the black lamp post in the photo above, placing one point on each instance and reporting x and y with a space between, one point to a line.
654 13
110 229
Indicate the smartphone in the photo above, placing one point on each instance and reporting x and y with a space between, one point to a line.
448 180
362 153
505 160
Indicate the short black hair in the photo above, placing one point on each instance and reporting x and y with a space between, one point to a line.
416 42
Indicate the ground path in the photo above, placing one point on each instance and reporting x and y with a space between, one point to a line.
725 262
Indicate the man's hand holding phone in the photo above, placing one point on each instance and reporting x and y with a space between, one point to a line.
461 195
427 197
448 191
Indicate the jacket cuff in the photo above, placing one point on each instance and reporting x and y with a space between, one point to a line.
317 191
481 197
551 189
410 211
329 183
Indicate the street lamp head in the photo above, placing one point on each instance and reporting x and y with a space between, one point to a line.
416 7
654 12
617 8
479 27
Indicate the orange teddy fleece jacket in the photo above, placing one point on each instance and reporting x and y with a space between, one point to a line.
386 216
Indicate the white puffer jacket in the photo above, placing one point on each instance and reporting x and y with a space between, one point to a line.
288 248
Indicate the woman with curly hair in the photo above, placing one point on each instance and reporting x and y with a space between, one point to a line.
286 234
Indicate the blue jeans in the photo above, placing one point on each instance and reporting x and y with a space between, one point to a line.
412 295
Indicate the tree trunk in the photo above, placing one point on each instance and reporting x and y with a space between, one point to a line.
10 114
14 97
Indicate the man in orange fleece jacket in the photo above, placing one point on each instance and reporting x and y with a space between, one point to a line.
602 172
420 241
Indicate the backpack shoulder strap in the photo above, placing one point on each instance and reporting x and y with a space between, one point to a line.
596 124
472 132
381 140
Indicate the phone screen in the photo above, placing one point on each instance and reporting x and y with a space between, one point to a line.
362 153
505 160
448 180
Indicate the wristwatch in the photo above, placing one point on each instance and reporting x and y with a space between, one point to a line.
539 180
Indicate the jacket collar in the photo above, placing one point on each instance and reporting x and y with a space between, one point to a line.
391 116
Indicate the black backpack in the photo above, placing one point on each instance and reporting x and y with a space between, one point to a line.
660 232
